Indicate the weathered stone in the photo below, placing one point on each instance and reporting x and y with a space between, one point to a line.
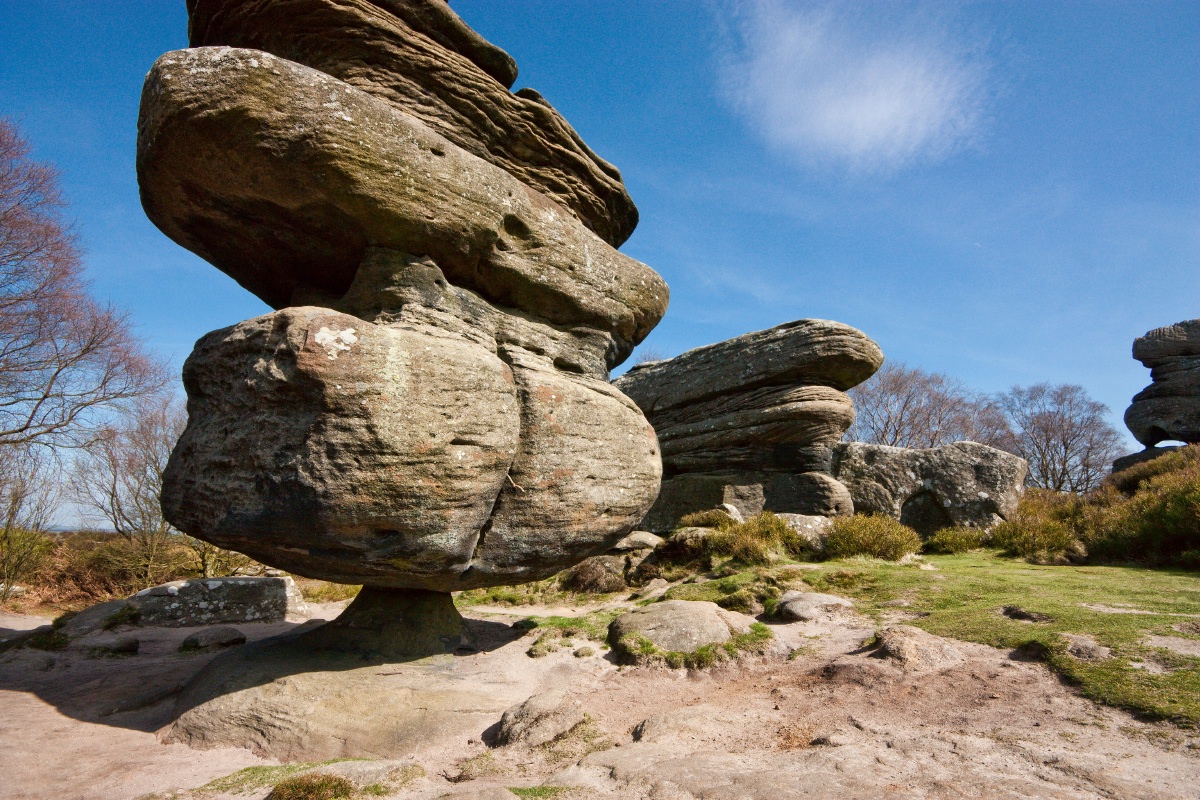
1169 408
808 606
636 542
751 422
540 719
804 352
401 456
808 493
1085 648
294 702
672 625
336 169
963 483
212 639
420 57
1133 459
191 603
916 650
813 528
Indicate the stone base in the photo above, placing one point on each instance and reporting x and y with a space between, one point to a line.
809 493
377 682
1149 454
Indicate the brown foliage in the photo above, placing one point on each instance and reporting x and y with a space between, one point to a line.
65 360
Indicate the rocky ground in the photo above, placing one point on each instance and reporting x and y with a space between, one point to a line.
821 715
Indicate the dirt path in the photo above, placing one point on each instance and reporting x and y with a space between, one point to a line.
830 721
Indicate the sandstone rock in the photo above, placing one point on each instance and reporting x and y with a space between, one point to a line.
684 725
804 352
125 645
212 639
1169 408
674 626
809 493
963 483
751 422
637 542
336 169
421 58
191 603
1085 648
914 649
808 606
401 456
290 701
540 719
1133 459
814 529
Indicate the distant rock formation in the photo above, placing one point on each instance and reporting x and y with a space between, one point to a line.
1169 408
429 408
752 421
964 483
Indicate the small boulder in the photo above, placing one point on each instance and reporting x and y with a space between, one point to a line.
813 529
212 639
679 626
1085 648
637 541
540 719
808 606
914 649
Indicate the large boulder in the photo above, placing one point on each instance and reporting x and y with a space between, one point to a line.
673 626
419 56
752 421
335 170
1169 408
964 483
401 456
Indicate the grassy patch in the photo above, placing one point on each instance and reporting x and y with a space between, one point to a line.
313 786
253 778
549 592
965 596
748 591
952 541
315 591
583 738
554 633
539 791
476 766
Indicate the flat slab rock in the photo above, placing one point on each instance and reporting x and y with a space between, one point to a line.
192 603
677 626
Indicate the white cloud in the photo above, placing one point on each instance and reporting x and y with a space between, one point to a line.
867 86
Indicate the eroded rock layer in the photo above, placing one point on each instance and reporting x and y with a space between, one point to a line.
751 421
1169 408
420 57
964 483
429 407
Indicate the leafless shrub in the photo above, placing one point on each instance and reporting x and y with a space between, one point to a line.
907 407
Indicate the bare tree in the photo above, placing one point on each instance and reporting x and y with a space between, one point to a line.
119 477
29 498
1063 434
66 361
907 407
648 354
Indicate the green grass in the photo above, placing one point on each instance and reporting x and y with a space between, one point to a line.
638 649
556 632
549 592
252 778
538 791
963 596
313 786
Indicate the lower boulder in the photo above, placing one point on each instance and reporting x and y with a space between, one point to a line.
654 633
964 483
805 493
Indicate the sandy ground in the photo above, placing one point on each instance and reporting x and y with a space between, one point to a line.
830 720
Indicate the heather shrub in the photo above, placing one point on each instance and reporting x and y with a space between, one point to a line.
709 518
757 540
1159 523
313 786
872 535
1044 527
959 539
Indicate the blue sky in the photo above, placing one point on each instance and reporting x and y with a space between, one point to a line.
1007 192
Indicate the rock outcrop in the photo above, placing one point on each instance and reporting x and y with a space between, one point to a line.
429 408
964 483
752 421
1169 408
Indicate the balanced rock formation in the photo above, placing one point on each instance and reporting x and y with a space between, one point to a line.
964 483
1169 408
428 409
752 421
